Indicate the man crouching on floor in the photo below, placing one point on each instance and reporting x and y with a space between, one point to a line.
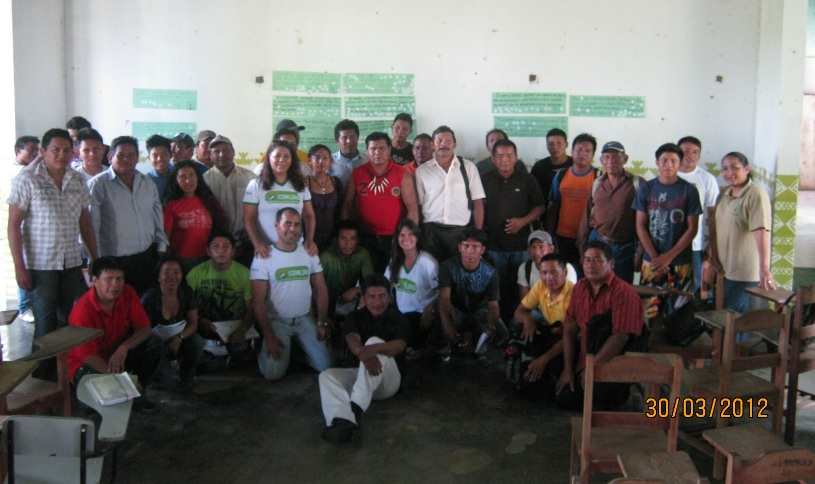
377 336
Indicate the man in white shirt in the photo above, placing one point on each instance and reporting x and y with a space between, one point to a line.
708 189
450 195
282 285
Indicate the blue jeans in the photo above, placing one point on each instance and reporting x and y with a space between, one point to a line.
305 329
53 297
506 263
734 296
623 254
23 300
697 268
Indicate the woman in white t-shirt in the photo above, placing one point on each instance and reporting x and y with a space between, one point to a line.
279 185
414 275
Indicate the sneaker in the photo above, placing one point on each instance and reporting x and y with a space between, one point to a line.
340 430
27 316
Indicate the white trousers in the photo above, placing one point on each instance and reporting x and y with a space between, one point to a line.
341 386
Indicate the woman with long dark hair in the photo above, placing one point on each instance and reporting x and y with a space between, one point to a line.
279 185
325 195
172 302
191 214
414 275
740 233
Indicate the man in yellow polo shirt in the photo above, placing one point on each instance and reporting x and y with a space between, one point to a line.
551 295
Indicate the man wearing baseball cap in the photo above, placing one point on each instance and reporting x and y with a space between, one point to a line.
288 124
183 147
228 182
202 147
539 244
609 214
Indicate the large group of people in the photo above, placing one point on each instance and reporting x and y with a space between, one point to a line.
403 250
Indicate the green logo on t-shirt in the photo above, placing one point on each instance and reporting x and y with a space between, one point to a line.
282 197
285 274
406 286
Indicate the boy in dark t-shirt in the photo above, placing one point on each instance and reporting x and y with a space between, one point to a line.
468 295
668 211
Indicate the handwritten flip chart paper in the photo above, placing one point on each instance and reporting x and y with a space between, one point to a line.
296 107
379 106
318 131
377 83
528 103
165 99
145 129
530 126
311 82
368 126
607 106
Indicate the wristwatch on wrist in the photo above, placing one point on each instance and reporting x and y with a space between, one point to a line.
323 324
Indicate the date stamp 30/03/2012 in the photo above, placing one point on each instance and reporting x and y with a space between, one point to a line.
701 408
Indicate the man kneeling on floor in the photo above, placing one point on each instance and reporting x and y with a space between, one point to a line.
377 336
128 343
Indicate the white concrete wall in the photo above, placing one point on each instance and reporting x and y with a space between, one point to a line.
460 52
39 66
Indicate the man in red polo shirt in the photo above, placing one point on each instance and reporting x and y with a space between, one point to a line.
384 192
128 344
599 293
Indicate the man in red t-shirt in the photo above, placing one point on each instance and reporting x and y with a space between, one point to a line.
384 192
128 343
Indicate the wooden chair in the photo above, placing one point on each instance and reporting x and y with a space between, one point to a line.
732 378
36 396
599 436
802 358
673 467
757 456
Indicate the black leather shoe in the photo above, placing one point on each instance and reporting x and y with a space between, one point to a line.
340 430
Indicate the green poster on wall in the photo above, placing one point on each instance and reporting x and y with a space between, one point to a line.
165 99
530 126
377 83
142 130
528 103
310 82
379 106
296 107
607 106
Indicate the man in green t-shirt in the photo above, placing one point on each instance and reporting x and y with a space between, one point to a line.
344 265
224 293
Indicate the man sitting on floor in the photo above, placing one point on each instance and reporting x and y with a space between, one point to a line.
377 336
128 343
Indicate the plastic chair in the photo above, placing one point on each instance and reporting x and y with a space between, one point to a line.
51 449
599 436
